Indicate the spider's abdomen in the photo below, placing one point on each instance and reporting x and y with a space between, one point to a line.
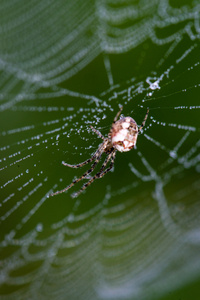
124 134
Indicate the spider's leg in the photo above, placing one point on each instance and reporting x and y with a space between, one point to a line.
145 118
96 154
100 174
110 167
118 114
80 178
97 132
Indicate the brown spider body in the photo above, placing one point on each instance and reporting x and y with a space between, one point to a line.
124 134
122 137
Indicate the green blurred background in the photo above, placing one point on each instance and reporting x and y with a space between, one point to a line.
66 65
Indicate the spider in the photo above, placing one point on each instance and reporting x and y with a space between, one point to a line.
122 137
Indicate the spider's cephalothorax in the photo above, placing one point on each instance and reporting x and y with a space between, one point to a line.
122 137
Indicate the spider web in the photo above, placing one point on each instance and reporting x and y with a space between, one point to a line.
67 65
